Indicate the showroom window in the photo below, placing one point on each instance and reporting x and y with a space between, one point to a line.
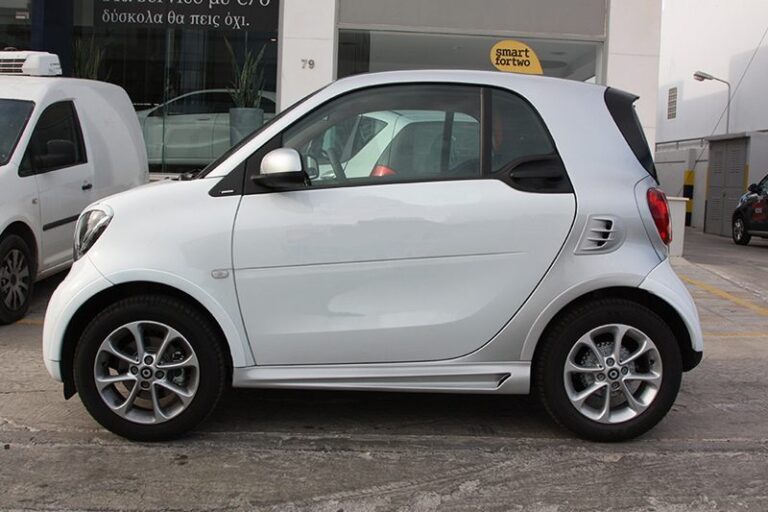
180 63
365 51
15 24
394 133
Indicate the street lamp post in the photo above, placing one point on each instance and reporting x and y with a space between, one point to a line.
701 76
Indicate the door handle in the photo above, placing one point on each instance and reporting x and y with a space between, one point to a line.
87 186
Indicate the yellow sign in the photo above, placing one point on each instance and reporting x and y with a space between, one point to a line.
515 57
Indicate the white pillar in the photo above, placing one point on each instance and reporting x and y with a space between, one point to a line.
307 59
632 55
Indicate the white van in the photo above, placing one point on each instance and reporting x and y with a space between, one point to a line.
64 143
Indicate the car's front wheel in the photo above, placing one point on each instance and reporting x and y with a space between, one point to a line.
150 368
739 232
609 370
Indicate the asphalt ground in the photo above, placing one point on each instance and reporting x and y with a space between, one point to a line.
332 451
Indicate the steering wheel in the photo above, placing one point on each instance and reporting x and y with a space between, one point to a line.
338 170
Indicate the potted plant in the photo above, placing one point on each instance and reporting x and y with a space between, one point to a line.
88 59
246 93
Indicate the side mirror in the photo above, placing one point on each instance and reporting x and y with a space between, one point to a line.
281 168
753 189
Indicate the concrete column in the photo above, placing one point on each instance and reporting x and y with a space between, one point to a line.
307 59
631 56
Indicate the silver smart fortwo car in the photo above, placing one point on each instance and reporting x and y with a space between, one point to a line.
432 231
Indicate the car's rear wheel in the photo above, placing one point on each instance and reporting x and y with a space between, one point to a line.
739 232
150 368
609 370
17 269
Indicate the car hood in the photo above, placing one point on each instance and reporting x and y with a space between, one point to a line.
165 225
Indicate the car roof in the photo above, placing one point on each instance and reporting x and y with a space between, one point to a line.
489 78
34 88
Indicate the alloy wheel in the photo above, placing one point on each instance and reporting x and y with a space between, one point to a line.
146 372
14 280
738 229
612 373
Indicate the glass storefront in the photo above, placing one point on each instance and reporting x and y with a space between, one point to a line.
363 51
180 67
178 63
15 27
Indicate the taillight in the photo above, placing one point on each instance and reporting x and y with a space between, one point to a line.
657 202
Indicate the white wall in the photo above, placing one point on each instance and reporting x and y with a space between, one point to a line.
307 32
718 37
632 55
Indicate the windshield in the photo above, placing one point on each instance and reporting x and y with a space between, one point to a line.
14 115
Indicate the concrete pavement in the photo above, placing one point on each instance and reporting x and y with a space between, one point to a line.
330 451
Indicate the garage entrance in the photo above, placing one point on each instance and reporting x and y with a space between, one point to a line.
725 184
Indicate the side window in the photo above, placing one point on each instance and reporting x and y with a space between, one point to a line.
200 103
56 142
393 133
517 131
763 186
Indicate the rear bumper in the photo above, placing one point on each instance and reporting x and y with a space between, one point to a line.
664 283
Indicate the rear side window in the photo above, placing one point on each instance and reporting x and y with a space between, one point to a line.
517 131
621 106
56 142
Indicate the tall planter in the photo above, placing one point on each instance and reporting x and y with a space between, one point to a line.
243 122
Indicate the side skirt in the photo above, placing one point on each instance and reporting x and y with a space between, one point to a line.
511 378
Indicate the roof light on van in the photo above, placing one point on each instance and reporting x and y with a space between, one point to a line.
29 64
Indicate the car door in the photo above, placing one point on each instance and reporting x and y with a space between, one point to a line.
189 123
56 159
426 262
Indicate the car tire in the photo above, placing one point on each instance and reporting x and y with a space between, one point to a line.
180 360
739 232
567 369
17 278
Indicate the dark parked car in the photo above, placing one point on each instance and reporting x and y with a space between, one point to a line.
751 216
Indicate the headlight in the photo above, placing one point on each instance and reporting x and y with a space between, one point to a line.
89 228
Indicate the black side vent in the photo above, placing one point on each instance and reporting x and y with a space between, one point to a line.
602 234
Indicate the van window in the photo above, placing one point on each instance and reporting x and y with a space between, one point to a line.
57 141
15 114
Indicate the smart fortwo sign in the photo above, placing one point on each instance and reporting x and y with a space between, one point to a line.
257 15
515 57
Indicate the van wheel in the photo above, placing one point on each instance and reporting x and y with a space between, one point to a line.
609 370
150 368
739 232
17 278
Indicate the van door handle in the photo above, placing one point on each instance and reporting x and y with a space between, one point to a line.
87 186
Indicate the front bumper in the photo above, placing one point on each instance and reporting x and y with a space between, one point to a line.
83 282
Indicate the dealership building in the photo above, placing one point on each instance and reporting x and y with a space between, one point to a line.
176 56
